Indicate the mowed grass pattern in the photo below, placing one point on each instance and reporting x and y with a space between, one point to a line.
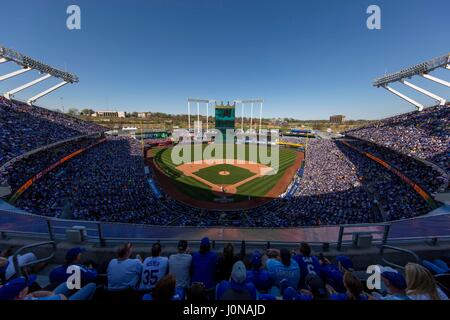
258 187
212 174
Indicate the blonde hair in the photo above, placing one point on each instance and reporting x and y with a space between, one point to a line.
420 281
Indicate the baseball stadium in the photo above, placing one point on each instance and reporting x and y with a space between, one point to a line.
226 176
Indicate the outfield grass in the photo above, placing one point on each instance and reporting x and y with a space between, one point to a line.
257 187
211 174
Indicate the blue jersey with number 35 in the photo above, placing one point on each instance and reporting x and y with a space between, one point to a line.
153 270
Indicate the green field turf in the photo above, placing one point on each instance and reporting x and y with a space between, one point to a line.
255 188
211 174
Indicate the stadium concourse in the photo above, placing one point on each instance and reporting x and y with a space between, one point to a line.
338 185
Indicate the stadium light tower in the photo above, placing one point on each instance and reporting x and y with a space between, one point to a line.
252 102
422 69
198 102
28 64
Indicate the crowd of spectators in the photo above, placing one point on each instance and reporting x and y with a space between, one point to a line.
424 175
24 128
424 134
105 183
338 185
108 183
18 172
205 275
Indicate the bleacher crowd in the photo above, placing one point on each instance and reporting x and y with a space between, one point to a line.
424 134
205 275
108 182
24 128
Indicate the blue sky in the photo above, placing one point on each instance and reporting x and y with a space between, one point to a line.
307 59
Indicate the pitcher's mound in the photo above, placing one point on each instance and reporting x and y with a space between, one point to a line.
224 173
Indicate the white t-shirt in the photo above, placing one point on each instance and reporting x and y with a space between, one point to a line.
124 274
441 295
153 270
22 259
179 266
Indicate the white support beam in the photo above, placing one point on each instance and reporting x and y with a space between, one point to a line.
260 116
46 92
8 95
447 67
14 73
198 113
242 120
425 92
207 116
189 116
3 60
251 117
440 81
401 95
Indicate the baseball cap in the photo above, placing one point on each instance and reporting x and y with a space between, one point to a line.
205 242
12 288
345 262
256 259
73 253
239 273
182 244
395 278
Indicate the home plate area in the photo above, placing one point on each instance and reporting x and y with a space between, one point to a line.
224 176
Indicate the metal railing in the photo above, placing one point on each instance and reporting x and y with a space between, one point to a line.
19 269
102 233
398 249
342 233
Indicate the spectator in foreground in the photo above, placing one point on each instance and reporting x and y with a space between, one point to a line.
204 265
73 257
18 289
307 263
395 284
7 268
421 284
123 272
164 290
180 265
354 289
154 268
260 277
226 262
284 268
333 274
197 293
316 287
236 288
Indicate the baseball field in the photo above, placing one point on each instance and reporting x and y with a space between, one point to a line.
236 181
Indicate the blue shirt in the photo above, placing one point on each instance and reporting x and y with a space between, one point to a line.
124 274
261 279
60 275
204 268
230 290
307 265
333 276
279 271
343 296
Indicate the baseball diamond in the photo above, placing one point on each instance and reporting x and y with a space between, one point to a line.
243 183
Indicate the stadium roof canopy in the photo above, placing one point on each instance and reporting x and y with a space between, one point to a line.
422 69
27 64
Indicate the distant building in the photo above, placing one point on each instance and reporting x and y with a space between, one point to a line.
338 118
109 114
144 115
